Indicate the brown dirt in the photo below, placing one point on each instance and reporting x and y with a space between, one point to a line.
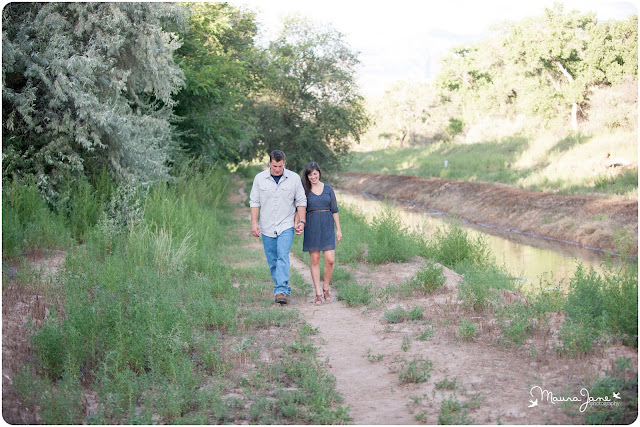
23 304
588 221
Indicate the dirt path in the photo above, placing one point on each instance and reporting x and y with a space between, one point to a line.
365 354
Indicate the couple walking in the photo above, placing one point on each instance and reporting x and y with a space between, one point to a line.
286 204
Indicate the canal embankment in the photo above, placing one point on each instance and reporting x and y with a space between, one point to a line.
591 222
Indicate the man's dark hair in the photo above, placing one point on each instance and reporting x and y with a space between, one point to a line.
277 155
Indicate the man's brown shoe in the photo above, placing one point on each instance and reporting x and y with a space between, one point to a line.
281 299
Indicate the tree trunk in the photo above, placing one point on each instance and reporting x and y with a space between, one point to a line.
574 117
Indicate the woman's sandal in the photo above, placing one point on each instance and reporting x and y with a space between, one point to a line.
327 297
318 300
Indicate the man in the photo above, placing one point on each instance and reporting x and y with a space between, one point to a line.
275 196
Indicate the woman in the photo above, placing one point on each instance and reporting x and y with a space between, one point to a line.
319 233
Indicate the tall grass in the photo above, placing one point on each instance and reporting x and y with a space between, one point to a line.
28 222
155 324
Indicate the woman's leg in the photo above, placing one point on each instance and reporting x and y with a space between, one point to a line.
315 271
329 261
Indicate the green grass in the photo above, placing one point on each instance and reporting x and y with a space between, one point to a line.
551 162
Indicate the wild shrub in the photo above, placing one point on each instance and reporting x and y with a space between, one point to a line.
622 381
428 278
355 230
355 295
28 222
453 412
467 329
418 370
451 245
390 240
516 321
479 288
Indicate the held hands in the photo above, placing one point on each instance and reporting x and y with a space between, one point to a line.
299 228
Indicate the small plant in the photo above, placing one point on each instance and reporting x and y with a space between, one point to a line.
416 371
467 330
389 238
397 315
406 343
446 384
426 334
429 278
373 357
453 412
355 295
416 313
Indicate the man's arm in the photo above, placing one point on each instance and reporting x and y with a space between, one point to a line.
255 225
301 219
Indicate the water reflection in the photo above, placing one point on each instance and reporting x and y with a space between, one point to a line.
529 258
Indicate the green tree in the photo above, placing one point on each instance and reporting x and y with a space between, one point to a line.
217 59
88 85
310 105
551 50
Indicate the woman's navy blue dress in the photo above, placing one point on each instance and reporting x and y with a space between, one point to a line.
319 232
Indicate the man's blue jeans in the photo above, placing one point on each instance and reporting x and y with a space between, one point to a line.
277 251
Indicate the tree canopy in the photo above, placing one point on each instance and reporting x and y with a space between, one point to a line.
89 85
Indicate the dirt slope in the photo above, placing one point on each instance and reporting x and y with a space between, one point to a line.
588 221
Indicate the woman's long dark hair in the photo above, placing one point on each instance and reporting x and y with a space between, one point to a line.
311 166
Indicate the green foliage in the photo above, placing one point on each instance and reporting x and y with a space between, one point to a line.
456 126
390 239
479 290
453 412
355 295
418 370
83 90
310 107
623 381
218 60
467 329
428 279
27 221
451 245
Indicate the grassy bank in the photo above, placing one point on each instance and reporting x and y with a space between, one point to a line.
165 314
571 164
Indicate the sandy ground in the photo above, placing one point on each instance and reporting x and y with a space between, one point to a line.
589 221
366 354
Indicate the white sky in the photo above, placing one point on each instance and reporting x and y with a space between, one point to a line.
404 39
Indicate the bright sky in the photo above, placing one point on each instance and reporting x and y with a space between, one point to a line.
404 39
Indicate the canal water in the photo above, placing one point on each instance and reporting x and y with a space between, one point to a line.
530 259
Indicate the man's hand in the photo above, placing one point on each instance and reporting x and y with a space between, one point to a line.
255 230
299 228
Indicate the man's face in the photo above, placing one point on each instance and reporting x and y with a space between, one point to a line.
277 168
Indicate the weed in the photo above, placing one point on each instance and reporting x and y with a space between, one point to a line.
478 289
446 384
355 295
396 315
426 334
373 357
467 329
453 412
450 245
429 278
620 385
390 240
417 370
406 343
